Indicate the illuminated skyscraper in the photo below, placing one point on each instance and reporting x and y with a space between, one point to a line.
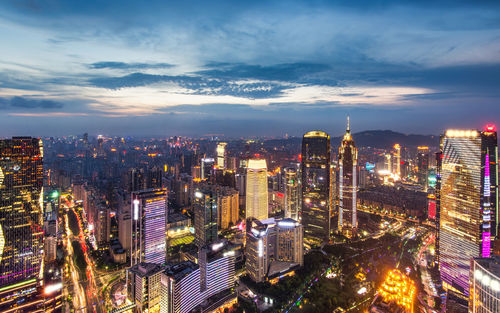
422 165
205 217
21 222
149 222
221 154
397 156
316 196
468 202
256 190
207 168
348 161
292 194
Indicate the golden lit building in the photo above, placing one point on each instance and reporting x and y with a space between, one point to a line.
256 190
467 202
348 162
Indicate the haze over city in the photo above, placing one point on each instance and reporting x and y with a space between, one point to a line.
260 68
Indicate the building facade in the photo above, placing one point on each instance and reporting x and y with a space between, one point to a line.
484 294
256 190
149 222
467 203
205 216
316 187
144 287
21 222
292 194
348 187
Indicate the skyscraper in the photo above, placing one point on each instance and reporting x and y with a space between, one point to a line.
316 196
292 193
221 154
207 168
348 162
21 222
422 165
144 286
149 222
256 190
467 202
205 216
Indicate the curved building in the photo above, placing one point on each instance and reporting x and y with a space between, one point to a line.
316 200
348 162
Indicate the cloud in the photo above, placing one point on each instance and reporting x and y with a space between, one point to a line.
19 102
129 66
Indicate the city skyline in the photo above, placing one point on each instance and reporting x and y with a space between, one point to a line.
262 69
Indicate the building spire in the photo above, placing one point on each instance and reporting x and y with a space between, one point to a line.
348 128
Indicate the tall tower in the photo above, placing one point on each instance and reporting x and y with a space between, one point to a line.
149 226
348 162
292 193
21 221
205 217
397 155
221 154
316 196
468 202
256 190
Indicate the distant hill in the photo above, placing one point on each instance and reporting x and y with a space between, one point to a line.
387 138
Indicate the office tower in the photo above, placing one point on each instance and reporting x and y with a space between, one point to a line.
187 285
149 212
154 178
103 226
484 287
228 204
388 162
348 187
205 216
21 222
135 180
125 228
273 244
422 165
144 286
50 248
467 202
316 193
292 193
397 161
256 189
221 154
207 168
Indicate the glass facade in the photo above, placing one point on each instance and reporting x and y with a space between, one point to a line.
348 162
21 220
484 295
316 196
149 211
256 190
205 217
467 203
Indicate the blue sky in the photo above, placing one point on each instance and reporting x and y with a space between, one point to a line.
247 68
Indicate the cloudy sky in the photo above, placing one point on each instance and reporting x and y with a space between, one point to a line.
243 69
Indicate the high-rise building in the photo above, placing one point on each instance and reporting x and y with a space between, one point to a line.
21 222
292 193
103 226
256 190
187 285
468 202
149 222
228 204
207 168
221 154
484 290
348 162
422 165
397 159
144 286
125 229
205 216
272 242
316 193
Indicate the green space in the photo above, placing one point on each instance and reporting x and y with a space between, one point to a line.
79 257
